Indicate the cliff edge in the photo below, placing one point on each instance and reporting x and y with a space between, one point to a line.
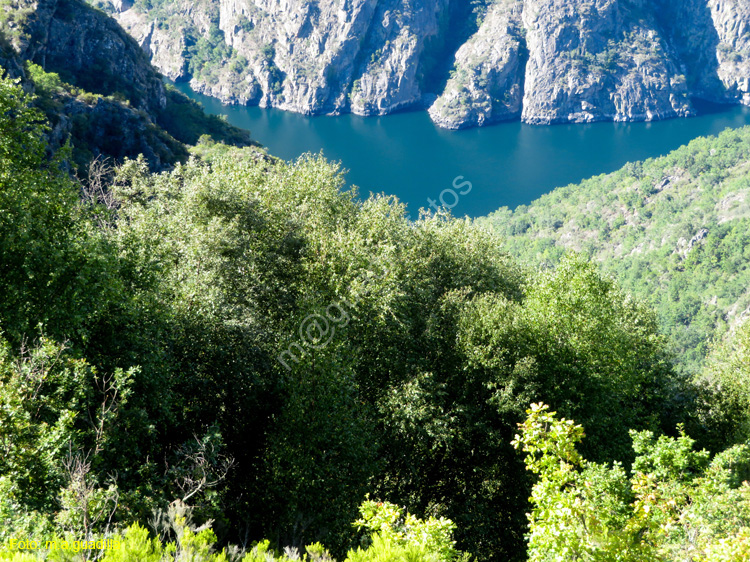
469 63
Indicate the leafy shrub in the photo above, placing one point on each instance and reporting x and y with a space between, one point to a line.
396 535
678 504
135 544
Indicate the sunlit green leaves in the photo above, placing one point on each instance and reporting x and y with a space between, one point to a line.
675 505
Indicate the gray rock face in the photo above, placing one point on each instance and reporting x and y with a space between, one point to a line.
598 61
546 61
486 84
166 50
689 32
732 22
301 55
68 37
396 39
324 57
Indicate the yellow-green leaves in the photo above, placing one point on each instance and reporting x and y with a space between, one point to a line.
397 535
549 443
675 506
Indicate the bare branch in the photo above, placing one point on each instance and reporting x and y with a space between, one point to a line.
202 467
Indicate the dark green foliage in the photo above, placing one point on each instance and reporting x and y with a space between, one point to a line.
185 120
46 255
263 345
573 337
406 395
724 398
43 392
109 127
111 130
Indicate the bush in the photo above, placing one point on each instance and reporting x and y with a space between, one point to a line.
396 535
678 504
135 545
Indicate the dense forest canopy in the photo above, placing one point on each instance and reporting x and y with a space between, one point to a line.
243 341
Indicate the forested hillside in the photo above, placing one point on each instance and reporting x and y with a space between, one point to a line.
209 354
97 88
241 343
674 231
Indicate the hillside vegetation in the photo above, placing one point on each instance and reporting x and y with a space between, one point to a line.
674 231
238 350
98 90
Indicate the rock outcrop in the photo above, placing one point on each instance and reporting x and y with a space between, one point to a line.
545 61
165 50
486 83
732 22
600 60
89 50
323 57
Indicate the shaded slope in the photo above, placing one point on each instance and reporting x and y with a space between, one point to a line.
98 88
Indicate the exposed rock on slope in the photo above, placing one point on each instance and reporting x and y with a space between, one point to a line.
691 37
547 61
166 50
90 50
396 39
110 101
598 60
321 57
732 21
486 85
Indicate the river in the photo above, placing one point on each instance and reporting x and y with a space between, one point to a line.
507 164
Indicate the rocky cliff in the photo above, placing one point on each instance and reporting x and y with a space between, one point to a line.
732 23
470 62
81 52
86 47
486 83
97 86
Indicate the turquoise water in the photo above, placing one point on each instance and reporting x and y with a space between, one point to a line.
508 164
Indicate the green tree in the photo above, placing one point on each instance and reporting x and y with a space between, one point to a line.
678 504
52 271
724 386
